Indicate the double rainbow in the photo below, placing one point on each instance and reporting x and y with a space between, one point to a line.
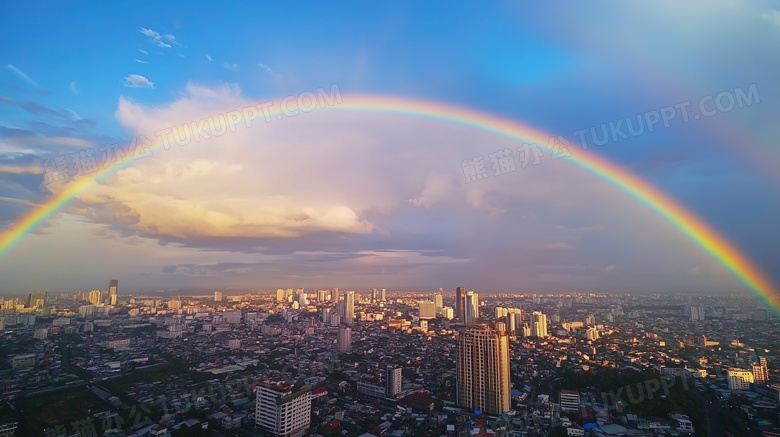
696 229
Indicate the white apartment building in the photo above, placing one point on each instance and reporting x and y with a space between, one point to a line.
282 409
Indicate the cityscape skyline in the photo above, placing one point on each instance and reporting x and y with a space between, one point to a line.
390 219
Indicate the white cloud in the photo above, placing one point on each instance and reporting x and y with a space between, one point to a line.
233 67
73 88
157 39
21 74
18 201
21 169
141 62
143 51
268 70
209 58
137 81
363 165
773 17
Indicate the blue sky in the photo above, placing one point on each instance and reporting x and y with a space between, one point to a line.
360 200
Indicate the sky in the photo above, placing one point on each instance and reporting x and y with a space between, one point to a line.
357 199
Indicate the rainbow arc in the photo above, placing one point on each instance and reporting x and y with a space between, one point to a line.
684 220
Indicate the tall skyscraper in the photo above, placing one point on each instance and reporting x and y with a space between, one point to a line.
282 409
538 324
438 301
345 338
349 308
460 303
217 296
427 309
113 291
482 369
471 308
393 379
383 295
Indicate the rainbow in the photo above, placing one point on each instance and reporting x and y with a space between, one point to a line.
696 229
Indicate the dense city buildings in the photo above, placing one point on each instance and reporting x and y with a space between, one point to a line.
565 365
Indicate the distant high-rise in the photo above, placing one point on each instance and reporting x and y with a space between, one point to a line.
335 295
36 299
301 297
95 297
538 324
482 369
326 315
393 380
760 370
696 312
511 323
471 308
345 338
427 309
383 295
113 291
217 296
460 303
438 301
349 308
